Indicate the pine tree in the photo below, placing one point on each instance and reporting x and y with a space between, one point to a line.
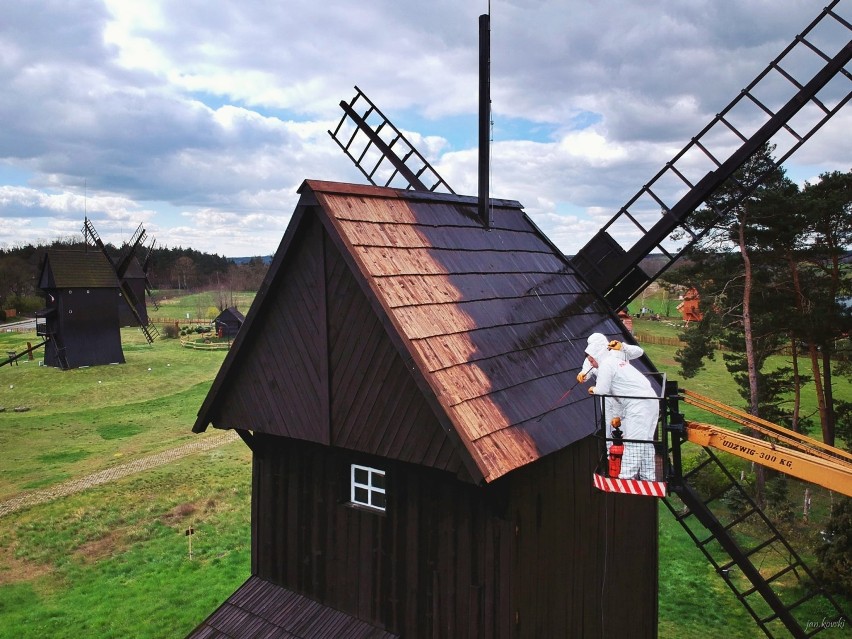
835 553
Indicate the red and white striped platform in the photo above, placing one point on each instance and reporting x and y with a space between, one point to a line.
630 486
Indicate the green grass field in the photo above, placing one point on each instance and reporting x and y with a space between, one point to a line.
112 561
84 420
196 306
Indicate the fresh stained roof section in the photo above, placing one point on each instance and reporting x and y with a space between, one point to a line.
495 320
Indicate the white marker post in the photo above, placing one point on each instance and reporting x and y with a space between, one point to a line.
189 533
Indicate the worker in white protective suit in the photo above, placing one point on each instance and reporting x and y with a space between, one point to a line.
638 406
613 408
587 371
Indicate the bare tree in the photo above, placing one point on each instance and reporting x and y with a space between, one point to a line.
185 272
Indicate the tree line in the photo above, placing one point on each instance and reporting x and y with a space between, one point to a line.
178 268
774 271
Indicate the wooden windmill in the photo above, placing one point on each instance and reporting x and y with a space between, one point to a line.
412 476
805 86
90 296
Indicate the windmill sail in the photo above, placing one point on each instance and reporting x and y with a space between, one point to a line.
380 150
130 296
814 86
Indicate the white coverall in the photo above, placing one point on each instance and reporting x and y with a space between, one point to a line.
616 376
588 371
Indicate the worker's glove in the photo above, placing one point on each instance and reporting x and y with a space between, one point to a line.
581 378
591 390
614 345
615 422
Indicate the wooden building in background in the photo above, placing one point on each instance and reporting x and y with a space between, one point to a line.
81 314
396 379
690 306
228 322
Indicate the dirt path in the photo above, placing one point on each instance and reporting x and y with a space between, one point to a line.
205 442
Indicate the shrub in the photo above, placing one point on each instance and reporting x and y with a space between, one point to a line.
710 480
778 505
26 303
170 331
735 501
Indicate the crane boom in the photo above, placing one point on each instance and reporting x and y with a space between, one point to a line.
834 475
787 437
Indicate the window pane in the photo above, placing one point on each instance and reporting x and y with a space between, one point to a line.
379 500
361 475
368 486
379 480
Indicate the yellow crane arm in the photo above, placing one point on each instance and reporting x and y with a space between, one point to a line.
832 474
790 438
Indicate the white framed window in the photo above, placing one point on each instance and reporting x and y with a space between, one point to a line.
367 487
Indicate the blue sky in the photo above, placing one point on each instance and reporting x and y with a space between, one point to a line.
201 119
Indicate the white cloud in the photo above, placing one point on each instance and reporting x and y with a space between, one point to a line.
201 119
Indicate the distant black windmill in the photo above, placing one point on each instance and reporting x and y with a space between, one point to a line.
80 321
89 297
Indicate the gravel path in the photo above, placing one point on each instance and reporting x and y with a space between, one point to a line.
205 442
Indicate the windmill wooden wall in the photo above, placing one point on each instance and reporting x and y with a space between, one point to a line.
538 554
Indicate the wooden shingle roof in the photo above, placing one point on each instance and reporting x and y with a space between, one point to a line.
261 609
493 321
231 313
76 269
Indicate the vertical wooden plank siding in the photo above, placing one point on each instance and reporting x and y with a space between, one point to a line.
530 556
577 576
280 385
376 406
379 567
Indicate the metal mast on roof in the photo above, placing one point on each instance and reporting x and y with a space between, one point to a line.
484 117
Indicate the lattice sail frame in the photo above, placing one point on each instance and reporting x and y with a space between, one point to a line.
120 267
784 106
380 150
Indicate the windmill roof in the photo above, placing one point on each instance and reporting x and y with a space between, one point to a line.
261 609
77 269
134 269
231 311
493 320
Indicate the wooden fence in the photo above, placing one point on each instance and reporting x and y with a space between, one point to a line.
646 338
181 321
205 346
